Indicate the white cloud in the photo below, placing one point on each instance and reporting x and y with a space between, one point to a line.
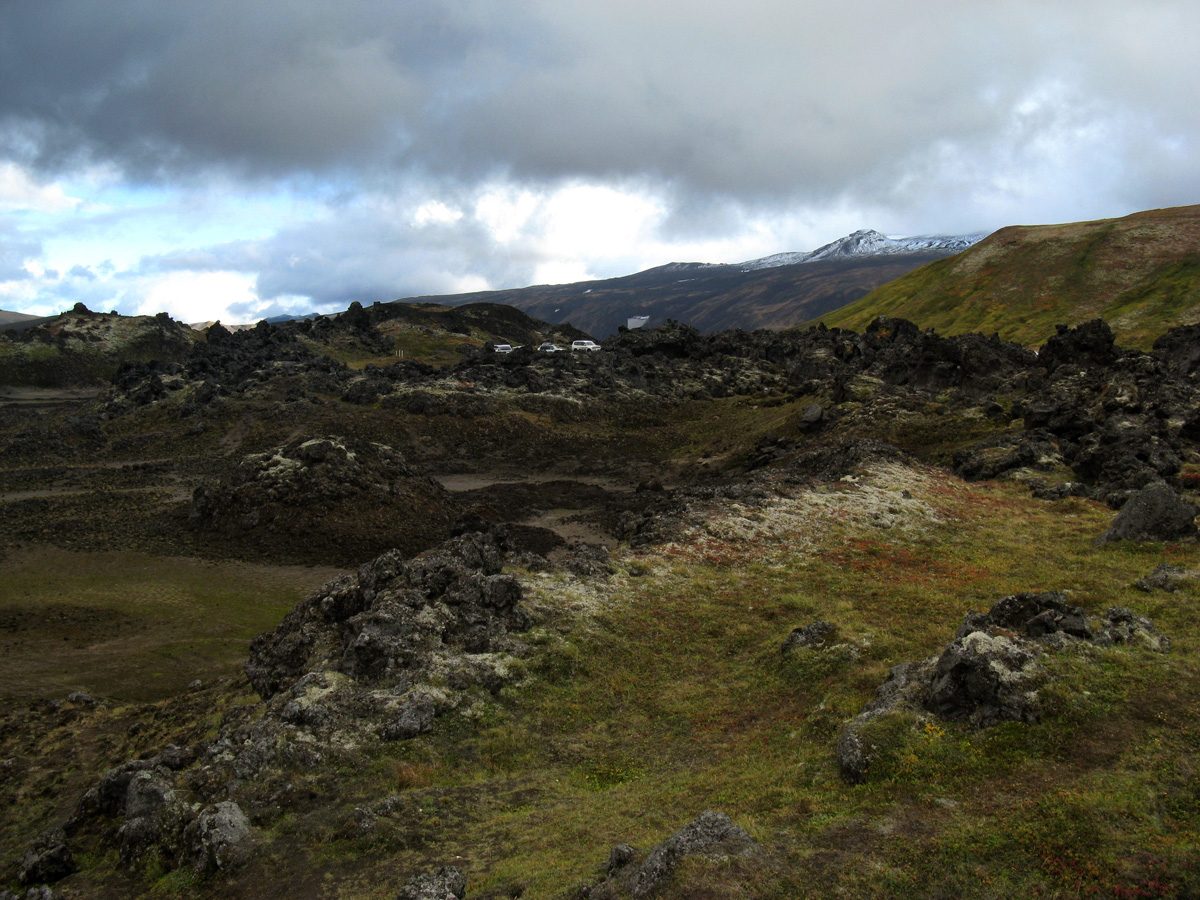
198 296
580 218
435 212
21 191
505 210
561 271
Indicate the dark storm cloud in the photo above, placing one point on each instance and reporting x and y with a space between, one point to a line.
765 102
279 87
818 101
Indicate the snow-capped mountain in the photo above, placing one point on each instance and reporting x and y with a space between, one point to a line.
771 292
868 243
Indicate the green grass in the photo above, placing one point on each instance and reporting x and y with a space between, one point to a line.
675 699
1140 313
1142 276
670 696
131 626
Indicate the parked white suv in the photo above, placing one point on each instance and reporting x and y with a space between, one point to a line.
584 345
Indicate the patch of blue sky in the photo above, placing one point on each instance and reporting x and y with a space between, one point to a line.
126 226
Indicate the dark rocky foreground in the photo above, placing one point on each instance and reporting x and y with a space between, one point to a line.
434 628
1115 420
1083 417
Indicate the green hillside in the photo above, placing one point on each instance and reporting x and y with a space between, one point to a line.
1140 273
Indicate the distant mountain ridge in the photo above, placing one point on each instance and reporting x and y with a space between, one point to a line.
778 291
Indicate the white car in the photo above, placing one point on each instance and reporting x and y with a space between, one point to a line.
549 348
503 348
584 345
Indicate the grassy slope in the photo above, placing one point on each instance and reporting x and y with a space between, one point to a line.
131 626
672 698
662 693
1140 273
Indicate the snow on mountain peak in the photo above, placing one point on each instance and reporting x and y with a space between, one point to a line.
868 242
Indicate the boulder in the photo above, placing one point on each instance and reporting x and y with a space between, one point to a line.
811 418
814 634
1154 513
107 798
1123 626
415 716
983 678
175 757
219 839
388 636
586 560
445 883
619 857
155 816
1179 348
376 656
1089 344
1166 577
990 672
1031 615
394 616
1033 450
47 860
900 692
711 834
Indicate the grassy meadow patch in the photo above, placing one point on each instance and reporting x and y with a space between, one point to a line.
132 626
661 691
667 695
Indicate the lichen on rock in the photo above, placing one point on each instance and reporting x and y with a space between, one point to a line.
990 672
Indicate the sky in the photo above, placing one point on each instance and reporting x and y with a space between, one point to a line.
218 159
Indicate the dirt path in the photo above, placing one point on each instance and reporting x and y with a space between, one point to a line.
561 509
35 395
474 481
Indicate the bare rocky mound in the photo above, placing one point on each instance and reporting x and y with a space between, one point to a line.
84 348
326 499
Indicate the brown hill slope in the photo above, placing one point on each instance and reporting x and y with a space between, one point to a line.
1140 273
9 317
708 297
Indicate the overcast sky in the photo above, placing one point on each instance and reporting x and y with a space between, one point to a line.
235 160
